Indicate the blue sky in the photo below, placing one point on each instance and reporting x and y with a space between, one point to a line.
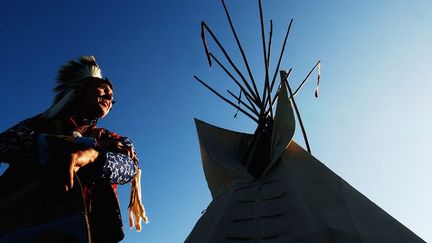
371 124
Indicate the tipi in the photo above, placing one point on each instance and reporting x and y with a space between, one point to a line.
266 188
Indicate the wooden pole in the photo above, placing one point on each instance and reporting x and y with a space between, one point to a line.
248 96
307 77
277 92
240 101
241 49
264 55
269 97
281 54
205 27
226 100
283 74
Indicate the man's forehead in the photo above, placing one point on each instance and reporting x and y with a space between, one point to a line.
98 82
104 85
101 84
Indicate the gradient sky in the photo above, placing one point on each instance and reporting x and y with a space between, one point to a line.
371 124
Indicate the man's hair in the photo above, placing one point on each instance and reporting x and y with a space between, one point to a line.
72 74
70 79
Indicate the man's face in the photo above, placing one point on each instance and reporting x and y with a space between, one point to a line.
97 98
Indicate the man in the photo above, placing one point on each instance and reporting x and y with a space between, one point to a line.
62 145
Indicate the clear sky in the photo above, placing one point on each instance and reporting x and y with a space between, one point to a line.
371 124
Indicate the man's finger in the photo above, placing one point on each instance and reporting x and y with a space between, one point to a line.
71 171
119 145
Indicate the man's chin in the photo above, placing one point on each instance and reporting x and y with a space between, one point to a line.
103 113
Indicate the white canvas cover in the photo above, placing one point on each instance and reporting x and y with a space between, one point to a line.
296 199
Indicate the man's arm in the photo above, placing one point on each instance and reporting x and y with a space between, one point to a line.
18 143
22 143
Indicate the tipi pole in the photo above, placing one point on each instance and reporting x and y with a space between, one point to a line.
269 100
277 92
281 55
240 101
241 51
248 96
284 79
302 83
266 64
307 77
270 42
226 100
205 27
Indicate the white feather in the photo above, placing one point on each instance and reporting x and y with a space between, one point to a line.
55 108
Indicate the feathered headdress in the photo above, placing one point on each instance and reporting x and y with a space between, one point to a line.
71 77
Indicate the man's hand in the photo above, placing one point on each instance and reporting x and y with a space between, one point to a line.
110 143
117 146
80 159
128 150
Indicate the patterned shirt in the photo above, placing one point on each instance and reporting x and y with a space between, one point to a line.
23 145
